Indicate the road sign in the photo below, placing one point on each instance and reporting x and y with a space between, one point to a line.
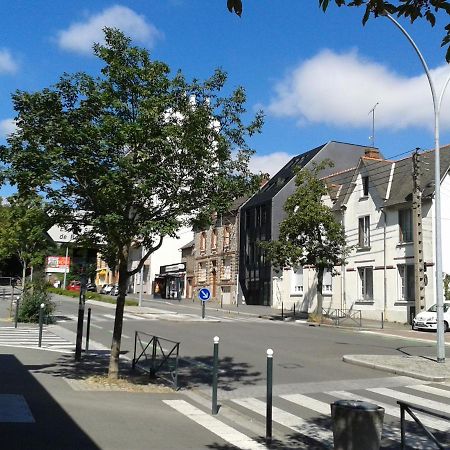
60 235
204 294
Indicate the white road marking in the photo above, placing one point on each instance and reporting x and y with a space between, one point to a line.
215 426
431 390
310 403
394 411
289 420
96 326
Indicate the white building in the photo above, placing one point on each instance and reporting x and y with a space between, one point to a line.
374 202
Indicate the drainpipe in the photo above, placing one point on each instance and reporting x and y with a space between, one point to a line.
343 293
384 263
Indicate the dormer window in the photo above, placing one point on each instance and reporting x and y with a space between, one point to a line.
365 186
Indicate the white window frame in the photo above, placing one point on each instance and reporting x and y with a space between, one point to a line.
403 281
363 279
401 234
365 186
364 232
297 280
327 288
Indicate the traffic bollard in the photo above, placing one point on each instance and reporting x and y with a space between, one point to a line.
88 329
269 396
78 342
203 309
16 317
294 311
41 323
382 320
214 381
282 311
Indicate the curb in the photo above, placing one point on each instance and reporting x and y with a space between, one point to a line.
386 368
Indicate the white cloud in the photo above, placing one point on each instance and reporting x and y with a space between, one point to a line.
270 163
7 126
7 63
340 89
80 36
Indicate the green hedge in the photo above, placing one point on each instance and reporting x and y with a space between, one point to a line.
90 296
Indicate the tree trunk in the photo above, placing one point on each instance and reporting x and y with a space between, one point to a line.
319 291
24 274
118 322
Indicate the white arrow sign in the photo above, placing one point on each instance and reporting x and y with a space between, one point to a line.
60 235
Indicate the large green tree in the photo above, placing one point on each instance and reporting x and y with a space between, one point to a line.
310 234
23 226
131 155
409 9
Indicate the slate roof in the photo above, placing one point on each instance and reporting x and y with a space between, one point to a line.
401 189
341 185
278 181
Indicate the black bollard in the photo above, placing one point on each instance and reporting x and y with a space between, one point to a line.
269 396
214 381
88 329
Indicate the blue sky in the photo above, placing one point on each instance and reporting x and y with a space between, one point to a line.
315 75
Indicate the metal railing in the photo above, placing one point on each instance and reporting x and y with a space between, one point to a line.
340 316
151 355
408 407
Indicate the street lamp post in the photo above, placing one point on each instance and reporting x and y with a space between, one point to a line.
437 102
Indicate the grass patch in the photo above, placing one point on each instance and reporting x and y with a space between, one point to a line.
91 296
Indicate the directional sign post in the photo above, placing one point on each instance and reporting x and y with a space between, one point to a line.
204 295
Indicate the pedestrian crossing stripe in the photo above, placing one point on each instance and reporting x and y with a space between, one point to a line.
323 433
431 390
225 432
289 420
29 337
394 411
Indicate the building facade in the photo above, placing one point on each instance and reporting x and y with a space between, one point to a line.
262 214
374 203
216 256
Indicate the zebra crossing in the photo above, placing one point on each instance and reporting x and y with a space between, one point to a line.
98 318
308 416
28 337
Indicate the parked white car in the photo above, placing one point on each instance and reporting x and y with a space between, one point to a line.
426 320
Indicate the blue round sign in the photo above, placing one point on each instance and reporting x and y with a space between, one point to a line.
204 294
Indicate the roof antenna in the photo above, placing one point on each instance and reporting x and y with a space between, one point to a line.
373 124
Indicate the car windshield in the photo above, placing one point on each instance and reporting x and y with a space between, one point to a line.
433 308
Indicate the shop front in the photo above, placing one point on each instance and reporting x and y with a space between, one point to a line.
170 282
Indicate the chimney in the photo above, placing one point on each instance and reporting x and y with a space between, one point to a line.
372 152
265 177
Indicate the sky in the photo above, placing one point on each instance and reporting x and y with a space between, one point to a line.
315 75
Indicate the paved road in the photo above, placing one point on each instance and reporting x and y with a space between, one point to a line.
308 375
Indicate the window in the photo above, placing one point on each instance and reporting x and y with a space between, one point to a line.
365 283
327 283
203 241
297 281
405 225
214 240
226 239
365 186
226 269
406 282
364 231
201 275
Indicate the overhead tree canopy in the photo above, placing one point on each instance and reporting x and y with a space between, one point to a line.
310 234
132 155
409 9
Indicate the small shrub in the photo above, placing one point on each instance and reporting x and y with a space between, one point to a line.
35 293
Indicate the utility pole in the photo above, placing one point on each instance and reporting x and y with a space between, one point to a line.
419 267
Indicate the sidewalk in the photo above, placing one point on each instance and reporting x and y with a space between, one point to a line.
46 404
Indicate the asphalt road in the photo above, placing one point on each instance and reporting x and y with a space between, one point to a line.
302 353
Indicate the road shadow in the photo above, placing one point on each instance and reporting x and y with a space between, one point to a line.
197 372
52 426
